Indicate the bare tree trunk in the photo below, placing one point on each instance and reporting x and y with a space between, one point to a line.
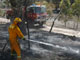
74 25
77 23
65 23
54 22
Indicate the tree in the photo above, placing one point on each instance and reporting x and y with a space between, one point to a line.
65 6
76 10
7 4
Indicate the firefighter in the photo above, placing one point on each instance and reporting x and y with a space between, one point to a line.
14 33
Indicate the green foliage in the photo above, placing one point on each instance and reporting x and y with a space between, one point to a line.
2 13
65 6
6 2
76 8
66 10
69 10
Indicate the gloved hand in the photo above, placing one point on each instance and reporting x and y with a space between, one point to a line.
24 38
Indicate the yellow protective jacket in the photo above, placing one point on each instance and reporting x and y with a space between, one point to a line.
14 32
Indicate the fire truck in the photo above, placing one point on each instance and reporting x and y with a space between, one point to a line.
35 14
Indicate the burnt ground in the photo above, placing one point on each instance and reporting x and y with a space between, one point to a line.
59 46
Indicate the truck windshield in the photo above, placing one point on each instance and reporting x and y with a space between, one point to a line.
37 10
40 10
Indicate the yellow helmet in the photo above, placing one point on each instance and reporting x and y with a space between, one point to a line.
17 20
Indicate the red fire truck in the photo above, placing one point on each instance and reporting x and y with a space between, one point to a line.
35 14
